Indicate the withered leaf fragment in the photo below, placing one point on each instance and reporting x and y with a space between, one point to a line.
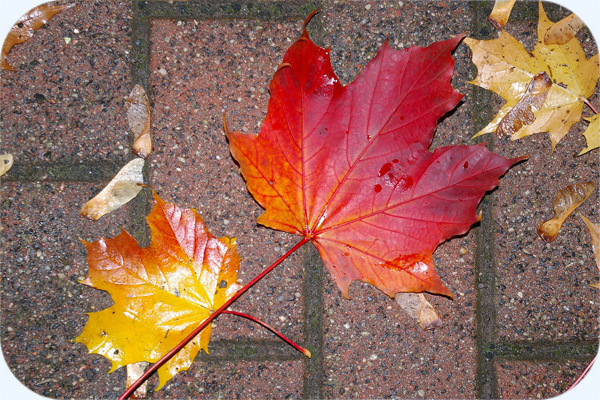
522 113
26 27
6 162
134 372
499 15
595 233
138 117
592 134
419 308
565 202
564 30
124 187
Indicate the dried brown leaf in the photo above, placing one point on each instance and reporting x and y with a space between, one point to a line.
26 27
124 187
138 116
564 30
6 162
500 13
522 113
565 202
418 307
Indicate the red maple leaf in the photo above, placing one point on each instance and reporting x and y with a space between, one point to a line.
349 166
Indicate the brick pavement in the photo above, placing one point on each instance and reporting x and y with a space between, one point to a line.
523 324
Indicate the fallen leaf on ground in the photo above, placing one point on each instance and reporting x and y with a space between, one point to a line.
499 15
522 113
135 372
595 233
564 30
138 116
349 167
123 188
161 293
565 202
419 308
6 162
592 134
26 26
507 68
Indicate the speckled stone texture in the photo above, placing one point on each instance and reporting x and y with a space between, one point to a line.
527 380
523 323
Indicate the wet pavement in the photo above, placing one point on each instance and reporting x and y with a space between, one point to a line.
523 324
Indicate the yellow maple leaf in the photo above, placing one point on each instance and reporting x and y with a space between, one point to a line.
161 293
592 134
507 68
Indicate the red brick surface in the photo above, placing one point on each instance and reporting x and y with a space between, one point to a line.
65 105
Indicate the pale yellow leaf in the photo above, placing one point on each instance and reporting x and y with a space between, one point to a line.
501 12
6 162
124 187
419 308
592 134
507 68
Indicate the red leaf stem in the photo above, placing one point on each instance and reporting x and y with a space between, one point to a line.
207 321
301 349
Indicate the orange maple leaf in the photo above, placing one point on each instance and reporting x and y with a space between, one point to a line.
162 292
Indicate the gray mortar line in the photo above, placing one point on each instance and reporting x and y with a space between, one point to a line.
544 350
314 375
486 385
61 172
249 350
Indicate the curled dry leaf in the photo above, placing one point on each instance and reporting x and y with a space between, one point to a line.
501 12
26 27
138 117
135 372
161 293
124 187
6 162
522 113
592 134
565 202
595 233
564 30
419 308
506 67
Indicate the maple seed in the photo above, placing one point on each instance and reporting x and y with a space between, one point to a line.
565 202
522 114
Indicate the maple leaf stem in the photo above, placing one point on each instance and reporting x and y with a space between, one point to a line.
208 320
586 101
301 349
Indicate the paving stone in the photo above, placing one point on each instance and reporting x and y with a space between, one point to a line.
43 305
64 102
238 380
530 380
